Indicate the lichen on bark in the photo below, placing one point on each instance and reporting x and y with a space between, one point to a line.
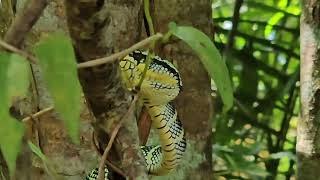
308 140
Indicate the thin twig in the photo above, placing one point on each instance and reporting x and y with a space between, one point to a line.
146 7
22 53
91 63
146 67
121 54
109 163
49 109
116 168
112 138
153 43
96 148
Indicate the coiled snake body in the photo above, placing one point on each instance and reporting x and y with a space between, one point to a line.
162 83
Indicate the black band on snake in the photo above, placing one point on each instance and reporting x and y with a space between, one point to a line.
162 83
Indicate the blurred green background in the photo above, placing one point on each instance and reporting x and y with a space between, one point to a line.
260 43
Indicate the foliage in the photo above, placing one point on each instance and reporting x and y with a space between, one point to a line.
259 132
57 60
59 66
11 131
48 166
210 58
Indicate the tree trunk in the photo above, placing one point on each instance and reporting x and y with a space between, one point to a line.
100 28
308 142
194 103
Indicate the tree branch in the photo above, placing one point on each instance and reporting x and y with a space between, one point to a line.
250 60
109 163
235 22
254 122
112 138
262 41
22 53
294 31
121 54
49 109
24 21
265 7
90 63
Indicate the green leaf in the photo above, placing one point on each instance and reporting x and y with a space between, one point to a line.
210 58
294 10
283 154
11 131
256 170
18 74
1 174
282 3
237 163
49 167
37 151
272 21
265 7
231 161
4 64
10 142
58 64
218 148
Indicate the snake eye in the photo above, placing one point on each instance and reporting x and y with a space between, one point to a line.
138 56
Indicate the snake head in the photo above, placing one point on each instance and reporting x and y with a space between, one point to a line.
129 69
162 82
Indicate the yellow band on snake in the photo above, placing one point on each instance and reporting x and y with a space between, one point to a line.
160 86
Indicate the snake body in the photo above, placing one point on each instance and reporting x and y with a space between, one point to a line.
161 84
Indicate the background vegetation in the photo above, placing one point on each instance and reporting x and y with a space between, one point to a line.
260 40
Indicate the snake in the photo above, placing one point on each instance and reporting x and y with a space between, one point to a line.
161 85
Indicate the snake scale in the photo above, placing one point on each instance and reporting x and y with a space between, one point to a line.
162 83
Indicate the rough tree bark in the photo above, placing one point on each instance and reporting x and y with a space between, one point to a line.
308 142
100 28
6 16
195 103
118 25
